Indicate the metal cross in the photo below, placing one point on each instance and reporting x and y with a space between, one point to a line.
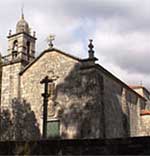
50 40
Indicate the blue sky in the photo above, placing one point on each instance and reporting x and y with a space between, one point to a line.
120 30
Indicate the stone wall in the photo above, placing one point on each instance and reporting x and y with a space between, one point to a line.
121 106
113 109
77 98
145 125
10 83
88 100
125 146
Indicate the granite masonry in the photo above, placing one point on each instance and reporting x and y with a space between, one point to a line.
85 100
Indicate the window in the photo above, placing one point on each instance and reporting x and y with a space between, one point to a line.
15 49
15 45
28 50
14 54
53 128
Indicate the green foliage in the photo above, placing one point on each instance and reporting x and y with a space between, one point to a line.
6 125
19 123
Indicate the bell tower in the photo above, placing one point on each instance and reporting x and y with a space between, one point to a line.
21 52
21 44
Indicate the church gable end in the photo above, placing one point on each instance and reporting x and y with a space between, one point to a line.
52 64
73 89
52 50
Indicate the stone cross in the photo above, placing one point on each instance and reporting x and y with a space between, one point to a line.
45 95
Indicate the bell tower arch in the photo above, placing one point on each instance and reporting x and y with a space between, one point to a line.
21 45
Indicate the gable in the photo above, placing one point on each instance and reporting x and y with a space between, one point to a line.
52 64
53 53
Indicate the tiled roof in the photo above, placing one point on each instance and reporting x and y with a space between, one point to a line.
145 112
139 87
135 87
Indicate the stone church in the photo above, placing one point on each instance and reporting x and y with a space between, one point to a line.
85 100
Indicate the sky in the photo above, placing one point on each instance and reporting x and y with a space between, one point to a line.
120 30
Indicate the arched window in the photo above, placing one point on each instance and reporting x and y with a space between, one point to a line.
15 49
15 45
28 50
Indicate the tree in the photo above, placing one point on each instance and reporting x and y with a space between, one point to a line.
19 122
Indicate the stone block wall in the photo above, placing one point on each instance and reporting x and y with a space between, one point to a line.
88 101
121 106
10 83
77 98
145 125
135 108
113 109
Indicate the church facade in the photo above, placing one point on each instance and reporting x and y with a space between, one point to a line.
85 100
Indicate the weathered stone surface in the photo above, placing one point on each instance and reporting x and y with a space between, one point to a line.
76 94
145 125
10 83
88 101
121 108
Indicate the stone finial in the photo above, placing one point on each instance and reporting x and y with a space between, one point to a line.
91 51
9 33
22 11
50 40
34 34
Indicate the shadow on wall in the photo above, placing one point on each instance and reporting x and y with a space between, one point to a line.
19 122
77 103
79 100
